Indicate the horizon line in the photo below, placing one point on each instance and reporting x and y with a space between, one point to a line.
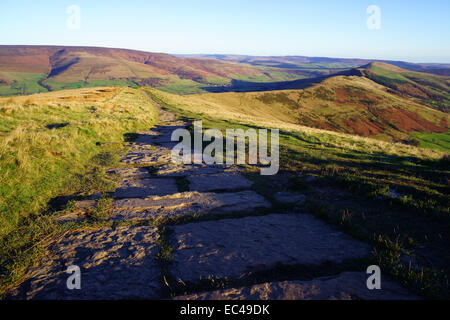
225 54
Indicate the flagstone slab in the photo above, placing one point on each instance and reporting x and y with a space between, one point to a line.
345 286
173 170
142 188
188 203
289 197
131 173
114 264
234 247
220 181
147 156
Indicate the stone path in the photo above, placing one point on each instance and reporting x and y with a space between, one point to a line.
345 286
242 236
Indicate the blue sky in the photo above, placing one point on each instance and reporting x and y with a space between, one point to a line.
417 31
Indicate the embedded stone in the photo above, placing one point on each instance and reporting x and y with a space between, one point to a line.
188 203
114 264
141 188
235 247
221 181
345 286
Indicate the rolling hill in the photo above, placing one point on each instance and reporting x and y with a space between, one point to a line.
323 65
431 90
360 103
353 96
32 69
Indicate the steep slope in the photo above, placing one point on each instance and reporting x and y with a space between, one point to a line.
431 90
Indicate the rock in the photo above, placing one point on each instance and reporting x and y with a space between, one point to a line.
187 203
115 264
159 135
142 188
172 170
147 156
131 173
346 286
79 213
233 247
221 181
289 198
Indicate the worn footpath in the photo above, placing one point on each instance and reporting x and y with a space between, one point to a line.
233 233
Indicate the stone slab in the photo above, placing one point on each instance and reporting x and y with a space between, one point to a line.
188 203
173 170
114 263
142 188
147 157
345 286
234 247
289 198
221 181
131 173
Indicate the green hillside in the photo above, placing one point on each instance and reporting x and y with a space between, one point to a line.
346 104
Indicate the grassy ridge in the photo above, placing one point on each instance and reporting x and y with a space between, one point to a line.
57 145
417 172
47 139
431 90
353 105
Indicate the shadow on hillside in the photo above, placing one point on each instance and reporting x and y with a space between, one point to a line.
247 86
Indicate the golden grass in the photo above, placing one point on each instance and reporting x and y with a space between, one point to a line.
244 108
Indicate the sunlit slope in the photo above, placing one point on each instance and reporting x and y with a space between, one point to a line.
248 109
56 68
428 89
346 104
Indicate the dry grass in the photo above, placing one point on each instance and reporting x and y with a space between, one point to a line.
46 138
244 108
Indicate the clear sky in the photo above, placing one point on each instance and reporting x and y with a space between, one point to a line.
417 31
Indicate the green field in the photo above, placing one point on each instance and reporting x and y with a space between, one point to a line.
90 84
439 141
21 83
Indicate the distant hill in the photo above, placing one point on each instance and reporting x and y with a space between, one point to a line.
358 102
30 69
426 88
33 69
311 63
431 90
